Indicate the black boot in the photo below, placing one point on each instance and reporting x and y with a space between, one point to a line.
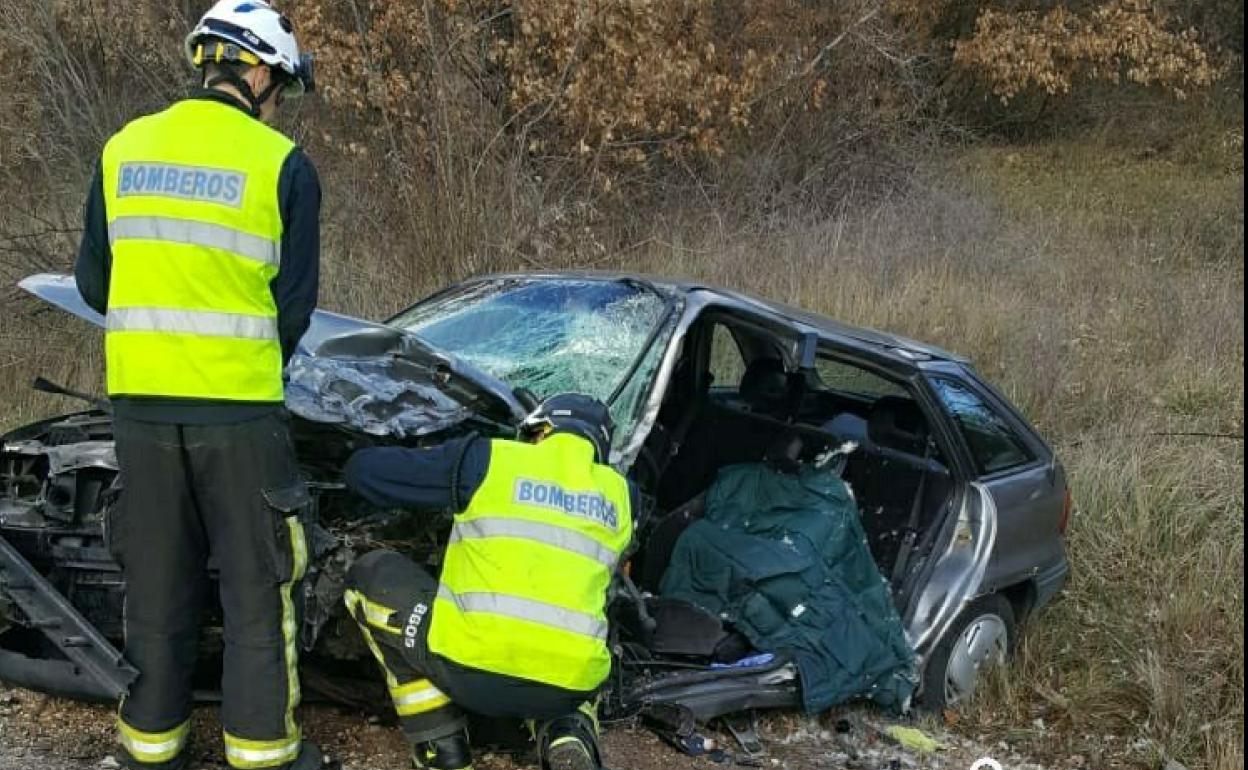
181 762
310 758
449 752
570 743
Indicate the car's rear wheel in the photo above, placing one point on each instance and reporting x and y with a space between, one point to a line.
980 638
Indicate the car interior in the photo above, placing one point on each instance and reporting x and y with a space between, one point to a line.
734 398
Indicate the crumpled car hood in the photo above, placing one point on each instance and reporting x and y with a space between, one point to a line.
361 375
387 382
368 395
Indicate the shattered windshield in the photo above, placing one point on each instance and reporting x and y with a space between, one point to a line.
547 335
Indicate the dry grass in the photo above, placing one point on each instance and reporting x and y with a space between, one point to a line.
1102 290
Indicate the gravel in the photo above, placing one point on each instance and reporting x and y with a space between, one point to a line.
39 732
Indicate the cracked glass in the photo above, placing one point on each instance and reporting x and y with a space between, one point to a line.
550 335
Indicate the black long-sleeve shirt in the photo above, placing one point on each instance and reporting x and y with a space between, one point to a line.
294 288
438 478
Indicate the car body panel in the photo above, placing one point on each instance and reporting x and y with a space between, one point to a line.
61 291
1029 542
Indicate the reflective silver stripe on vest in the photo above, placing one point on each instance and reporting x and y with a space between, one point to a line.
527 609
547 534
202 322
195 233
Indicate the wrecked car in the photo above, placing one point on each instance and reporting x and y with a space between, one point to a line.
864 475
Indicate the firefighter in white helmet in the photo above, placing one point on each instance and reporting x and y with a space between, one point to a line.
201 247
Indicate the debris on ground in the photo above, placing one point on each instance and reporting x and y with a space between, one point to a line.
912 738
53 734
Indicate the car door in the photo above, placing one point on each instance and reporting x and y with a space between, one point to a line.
1017 471
958 549
953 574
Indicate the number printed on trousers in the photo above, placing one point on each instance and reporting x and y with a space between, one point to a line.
413 625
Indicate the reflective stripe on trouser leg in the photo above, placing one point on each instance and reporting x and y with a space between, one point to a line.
367 613
419 697
245 753
153 748
376 615
424 711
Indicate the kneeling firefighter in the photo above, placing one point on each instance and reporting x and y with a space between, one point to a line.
516 627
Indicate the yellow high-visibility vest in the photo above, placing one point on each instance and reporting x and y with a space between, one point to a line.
195 229
524 585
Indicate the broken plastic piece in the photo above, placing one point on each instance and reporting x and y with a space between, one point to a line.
744 727
752 661
836 458
692 745
913 738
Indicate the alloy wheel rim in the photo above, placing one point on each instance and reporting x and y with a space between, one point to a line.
981 645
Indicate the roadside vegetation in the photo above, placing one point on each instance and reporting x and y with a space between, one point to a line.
963 173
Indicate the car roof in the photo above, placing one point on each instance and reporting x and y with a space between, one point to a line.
886 342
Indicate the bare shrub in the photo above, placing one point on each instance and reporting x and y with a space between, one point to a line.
627 80
80 69
1025 69
1120 40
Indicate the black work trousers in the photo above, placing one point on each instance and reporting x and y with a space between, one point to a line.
232 493
391 598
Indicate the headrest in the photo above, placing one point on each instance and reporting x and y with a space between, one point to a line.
897 423
784 454
765 385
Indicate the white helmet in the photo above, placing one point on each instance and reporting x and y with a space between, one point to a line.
251 32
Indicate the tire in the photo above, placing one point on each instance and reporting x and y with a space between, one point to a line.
984 632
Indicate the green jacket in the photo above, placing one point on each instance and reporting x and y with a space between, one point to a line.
784 559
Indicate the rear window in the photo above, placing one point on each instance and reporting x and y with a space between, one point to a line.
847 378
994 444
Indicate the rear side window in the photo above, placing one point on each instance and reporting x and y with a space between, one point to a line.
727 365
847 378
994 444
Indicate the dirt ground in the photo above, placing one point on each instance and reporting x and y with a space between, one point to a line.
38 732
